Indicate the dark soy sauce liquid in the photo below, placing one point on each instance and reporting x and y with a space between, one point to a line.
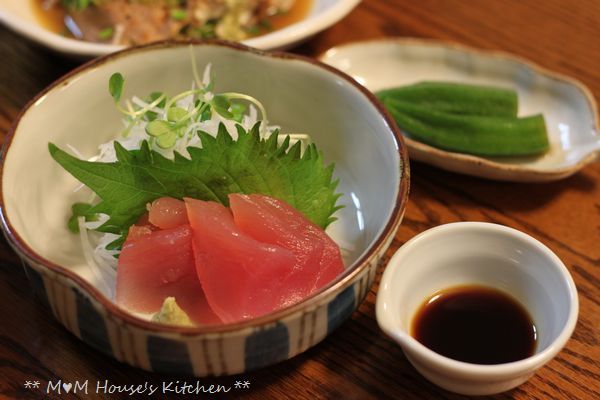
475 324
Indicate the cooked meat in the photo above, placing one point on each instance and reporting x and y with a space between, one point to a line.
134 22
141 21
202 11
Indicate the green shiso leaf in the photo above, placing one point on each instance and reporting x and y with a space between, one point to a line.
222 166
80 210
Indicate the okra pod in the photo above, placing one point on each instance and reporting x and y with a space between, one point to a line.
456 98
473 134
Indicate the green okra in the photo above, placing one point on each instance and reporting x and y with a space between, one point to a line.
456 98
473 134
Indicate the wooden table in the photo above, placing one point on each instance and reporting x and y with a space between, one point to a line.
358 361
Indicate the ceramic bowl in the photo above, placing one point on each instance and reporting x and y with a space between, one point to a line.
569 108
485 254
23 18
301 95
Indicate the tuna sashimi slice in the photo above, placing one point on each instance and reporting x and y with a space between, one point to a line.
269 220
156 264
167 212
242 277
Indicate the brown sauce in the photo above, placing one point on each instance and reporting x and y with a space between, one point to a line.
299 11
53 18
475 324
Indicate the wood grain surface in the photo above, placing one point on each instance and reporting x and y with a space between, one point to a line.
358 361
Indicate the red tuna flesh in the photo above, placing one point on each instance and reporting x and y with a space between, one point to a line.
242 277
269 220
167 212
156 264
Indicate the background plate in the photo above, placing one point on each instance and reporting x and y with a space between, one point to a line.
20 17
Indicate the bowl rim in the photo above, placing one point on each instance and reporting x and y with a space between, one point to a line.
20 246
462 368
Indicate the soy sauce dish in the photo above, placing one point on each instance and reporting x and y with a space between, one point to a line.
456 259
300 95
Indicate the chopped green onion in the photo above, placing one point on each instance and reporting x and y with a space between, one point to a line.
266 24
206 31
106 33
76 5
178 14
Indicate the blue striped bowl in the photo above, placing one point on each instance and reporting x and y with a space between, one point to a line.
349 126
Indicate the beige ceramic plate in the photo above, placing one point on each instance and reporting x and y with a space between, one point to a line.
20 16
568 106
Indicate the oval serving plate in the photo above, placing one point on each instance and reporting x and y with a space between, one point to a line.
21 17
568 106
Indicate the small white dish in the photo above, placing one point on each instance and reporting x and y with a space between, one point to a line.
21 17
496 256
568 106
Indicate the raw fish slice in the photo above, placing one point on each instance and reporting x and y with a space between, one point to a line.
259 222
167 212
138 232
242 277
154 265
318 258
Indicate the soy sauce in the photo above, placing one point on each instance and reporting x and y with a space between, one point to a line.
475 324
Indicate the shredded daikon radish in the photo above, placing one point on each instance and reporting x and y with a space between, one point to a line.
103 273
135 132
